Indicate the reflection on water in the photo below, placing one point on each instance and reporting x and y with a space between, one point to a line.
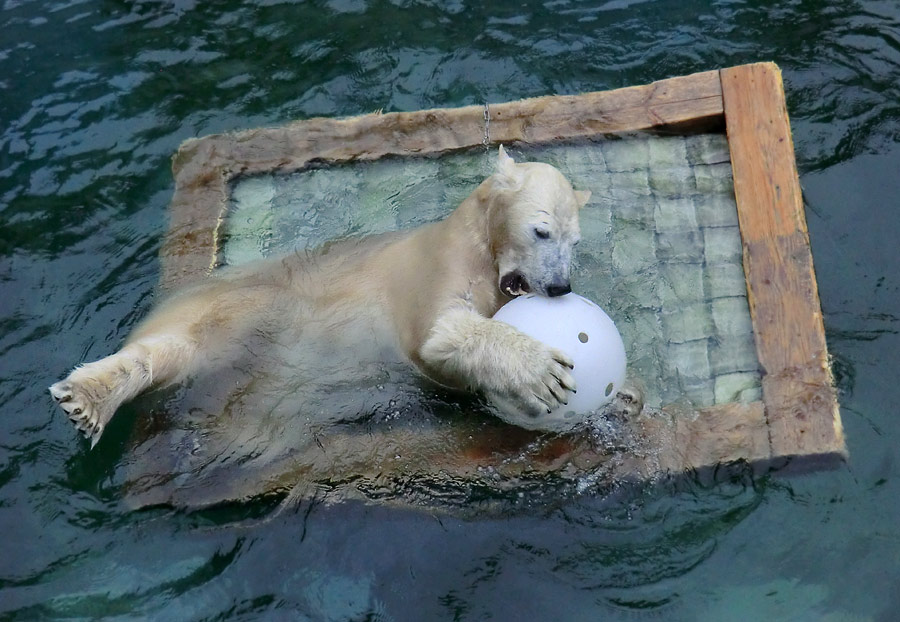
96 96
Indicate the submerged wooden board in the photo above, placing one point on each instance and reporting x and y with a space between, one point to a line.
798 419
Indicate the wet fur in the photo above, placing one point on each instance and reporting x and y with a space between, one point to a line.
425 295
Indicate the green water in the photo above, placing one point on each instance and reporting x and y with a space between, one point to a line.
96 96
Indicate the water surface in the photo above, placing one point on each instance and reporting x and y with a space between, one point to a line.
96 96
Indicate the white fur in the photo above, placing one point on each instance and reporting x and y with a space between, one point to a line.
428 294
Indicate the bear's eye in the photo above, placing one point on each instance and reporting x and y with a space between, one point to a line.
542 234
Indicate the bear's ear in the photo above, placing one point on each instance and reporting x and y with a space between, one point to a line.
582 197
508 177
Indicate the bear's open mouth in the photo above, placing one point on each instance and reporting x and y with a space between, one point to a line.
514 284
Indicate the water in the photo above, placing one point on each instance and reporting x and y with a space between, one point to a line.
96 96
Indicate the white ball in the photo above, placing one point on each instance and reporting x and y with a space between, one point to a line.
581 329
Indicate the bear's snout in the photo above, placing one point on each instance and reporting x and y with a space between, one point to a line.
559 289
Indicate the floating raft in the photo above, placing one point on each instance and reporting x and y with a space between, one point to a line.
753 369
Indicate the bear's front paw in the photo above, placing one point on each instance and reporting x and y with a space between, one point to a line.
552 382
542 383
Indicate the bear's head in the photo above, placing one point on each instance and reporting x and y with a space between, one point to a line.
533 226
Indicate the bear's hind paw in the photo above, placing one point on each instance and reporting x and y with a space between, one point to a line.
80 409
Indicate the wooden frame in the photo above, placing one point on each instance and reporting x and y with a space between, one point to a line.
797 422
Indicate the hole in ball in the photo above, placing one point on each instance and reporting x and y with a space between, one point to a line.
582 337
569 414
609 389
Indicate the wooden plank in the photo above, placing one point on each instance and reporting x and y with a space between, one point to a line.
534 121
715 435
195 213
475 453
657 105
801 404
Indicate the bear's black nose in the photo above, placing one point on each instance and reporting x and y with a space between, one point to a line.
559 289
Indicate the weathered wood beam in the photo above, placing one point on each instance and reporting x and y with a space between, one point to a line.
801 404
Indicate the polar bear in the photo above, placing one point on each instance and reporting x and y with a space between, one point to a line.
425 296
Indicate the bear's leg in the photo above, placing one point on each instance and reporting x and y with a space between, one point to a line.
91 394
508 365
